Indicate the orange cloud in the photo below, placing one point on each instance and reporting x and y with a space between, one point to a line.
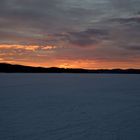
49 47
26 47
1 59
29 48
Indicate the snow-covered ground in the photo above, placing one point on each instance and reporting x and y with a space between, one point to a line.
69 107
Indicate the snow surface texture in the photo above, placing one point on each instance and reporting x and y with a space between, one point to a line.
69 107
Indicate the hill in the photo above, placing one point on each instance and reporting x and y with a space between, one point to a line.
9 68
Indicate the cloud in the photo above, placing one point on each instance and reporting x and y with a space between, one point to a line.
129 20
133 47
107 29
88 37
32 21
125 6
17 47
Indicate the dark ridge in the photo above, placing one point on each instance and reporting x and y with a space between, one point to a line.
9 68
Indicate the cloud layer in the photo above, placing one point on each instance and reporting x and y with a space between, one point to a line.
105 31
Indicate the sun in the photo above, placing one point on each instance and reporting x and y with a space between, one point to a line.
65 65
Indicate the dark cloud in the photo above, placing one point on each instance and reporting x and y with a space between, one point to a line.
132 20
43 17
133 47
138 13
87 37
82 42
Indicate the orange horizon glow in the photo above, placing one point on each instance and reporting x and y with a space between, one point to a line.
30 56
75 64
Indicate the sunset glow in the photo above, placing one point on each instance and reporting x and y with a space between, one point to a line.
70 34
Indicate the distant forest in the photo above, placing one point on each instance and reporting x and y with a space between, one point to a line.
9 68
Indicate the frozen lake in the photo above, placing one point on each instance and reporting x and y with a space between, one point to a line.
69 107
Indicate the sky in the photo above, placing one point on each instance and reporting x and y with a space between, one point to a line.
70 33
